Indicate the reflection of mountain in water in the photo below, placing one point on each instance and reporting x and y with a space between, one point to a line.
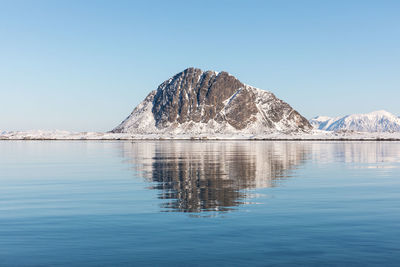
365 154
205 176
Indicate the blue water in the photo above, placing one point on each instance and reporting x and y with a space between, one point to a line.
185 203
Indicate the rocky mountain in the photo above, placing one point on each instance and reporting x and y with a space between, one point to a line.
377 121
199 102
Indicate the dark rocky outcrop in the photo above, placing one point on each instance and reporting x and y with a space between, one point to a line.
193 95
196 101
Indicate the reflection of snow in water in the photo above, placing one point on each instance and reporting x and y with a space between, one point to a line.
212 175
255 164
367 154
197 176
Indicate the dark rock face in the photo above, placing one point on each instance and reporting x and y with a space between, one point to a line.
210 101
193 95
240 110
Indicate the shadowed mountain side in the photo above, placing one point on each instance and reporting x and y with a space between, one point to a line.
208 176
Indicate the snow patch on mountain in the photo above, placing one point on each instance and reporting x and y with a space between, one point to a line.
142 121
209 102
376 121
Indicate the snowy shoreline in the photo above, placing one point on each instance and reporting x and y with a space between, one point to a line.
315 135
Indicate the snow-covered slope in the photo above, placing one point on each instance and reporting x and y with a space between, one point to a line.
209 102
377 121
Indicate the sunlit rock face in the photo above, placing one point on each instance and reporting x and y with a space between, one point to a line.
211 176
206 102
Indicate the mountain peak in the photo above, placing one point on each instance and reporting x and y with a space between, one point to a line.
195 101
375 121
198 70
381 113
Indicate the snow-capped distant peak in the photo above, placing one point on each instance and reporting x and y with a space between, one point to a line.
381 113
376 121
321 118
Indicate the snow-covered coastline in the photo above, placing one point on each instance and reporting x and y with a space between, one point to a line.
313 135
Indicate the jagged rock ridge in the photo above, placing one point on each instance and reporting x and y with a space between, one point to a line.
196 102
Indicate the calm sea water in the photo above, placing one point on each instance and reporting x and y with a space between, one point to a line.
183 203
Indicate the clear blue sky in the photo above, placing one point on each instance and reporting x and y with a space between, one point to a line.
84 65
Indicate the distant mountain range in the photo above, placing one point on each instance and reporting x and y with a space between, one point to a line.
377 121
196 104
208 102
